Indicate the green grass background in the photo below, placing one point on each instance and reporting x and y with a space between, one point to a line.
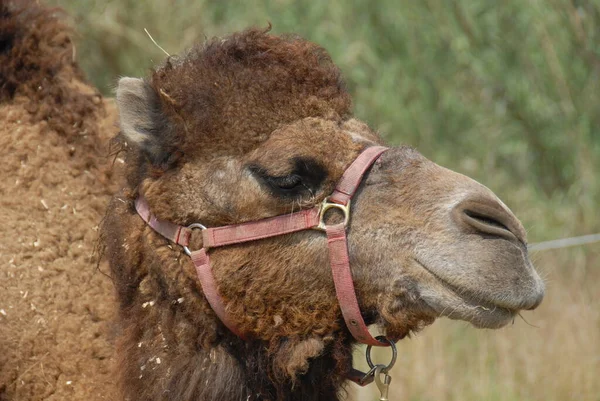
503 91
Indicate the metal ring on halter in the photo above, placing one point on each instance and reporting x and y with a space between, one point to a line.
191 227
325 206
394 354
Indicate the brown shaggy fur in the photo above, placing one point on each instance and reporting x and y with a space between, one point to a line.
37 62
56 183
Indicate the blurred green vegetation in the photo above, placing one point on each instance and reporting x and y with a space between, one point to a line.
505 92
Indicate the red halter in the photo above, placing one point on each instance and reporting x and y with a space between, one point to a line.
280 225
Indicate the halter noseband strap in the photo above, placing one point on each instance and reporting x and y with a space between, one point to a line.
279 225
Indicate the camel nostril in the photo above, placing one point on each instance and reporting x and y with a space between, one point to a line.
485 220
489 224
484 216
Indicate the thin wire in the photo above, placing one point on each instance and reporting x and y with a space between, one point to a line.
565 242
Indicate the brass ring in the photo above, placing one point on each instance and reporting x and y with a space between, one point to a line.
326 205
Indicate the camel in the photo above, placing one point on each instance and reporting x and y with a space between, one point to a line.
250 129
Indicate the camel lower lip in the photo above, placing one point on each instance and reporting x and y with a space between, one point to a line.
479 312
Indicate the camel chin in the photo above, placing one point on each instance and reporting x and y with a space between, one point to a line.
458 304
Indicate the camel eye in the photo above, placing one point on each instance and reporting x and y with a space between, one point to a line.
288 182
304 180
287 185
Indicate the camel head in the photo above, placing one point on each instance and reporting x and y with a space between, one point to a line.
254 126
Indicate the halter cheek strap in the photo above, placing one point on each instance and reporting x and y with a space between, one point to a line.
279 225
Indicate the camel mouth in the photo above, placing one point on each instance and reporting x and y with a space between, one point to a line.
459 304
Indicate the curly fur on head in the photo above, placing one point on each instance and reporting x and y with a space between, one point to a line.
225 90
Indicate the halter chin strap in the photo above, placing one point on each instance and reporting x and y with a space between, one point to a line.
215 237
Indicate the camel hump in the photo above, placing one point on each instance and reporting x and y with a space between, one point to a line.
38 67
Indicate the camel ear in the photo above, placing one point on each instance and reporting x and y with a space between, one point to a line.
141 118
133 100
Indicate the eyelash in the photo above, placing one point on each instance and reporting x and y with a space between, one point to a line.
287 182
